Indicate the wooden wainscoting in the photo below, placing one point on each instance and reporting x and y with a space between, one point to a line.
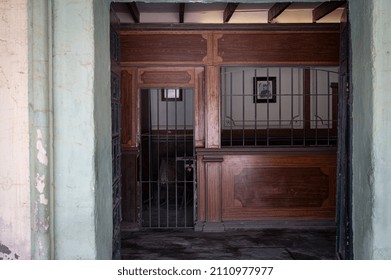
273 184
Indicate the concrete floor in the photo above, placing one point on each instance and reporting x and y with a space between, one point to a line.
262 244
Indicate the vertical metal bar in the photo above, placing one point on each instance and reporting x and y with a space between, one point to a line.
141 170
149 135
231 120
167 163
194 164
279 97
328 107
158 158
244 110
267 111
176 163
184 161
316 107
292 107
298 98
256 109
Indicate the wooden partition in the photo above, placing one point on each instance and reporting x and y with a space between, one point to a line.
233 185
266 184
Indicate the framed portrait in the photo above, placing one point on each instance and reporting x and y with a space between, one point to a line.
172 94
265 90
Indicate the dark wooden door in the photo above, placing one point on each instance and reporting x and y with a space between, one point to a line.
344 168
116 135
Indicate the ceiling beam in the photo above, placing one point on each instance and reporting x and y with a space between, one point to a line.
134 12
181 12
229 11
325 8
276 10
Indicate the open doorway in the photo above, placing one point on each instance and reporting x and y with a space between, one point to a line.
156 155
167 158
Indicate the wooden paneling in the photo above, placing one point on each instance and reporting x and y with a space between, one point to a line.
316 48
130 195
279 186
128 108
272 187
155 77
152 48
268 184
213 188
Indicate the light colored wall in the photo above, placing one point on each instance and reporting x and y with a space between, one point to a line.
382 129
82 130
371 128
166 118
14 129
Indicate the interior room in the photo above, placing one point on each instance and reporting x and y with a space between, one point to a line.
225 118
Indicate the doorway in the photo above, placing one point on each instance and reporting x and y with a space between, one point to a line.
166 164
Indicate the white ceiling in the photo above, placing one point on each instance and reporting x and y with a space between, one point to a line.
210 13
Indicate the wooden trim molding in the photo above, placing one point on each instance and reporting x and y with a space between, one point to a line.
159 77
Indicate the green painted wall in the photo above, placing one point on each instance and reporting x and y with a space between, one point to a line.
82 146
82 125
102 118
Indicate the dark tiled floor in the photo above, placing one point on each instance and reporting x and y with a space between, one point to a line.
263 244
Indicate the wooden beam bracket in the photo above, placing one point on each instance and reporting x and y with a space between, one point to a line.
229 11
276 10
134 12
325 8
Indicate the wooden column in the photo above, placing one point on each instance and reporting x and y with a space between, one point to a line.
210 194
212 107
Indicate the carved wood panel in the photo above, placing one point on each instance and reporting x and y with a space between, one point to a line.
179 48
279 48
128 108
154 77
279 186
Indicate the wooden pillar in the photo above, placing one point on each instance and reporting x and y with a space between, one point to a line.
212 107
209 194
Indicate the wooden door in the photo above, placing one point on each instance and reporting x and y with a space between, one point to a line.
116 135
344 168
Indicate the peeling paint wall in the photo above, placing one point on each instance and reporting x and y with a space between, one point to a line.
14 134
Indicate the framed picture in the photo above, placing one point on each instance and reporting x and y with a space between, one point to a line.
265 90
171 94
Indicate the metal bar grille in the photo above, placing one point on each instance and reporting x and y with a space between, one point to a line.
167 168
285 106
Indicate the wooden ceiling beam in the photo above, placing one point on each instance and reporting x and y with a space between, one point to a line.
181 12
134 12
276 10
325 8
229 11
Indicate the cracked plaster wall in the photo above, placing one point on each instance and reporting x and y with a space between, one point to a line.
14 131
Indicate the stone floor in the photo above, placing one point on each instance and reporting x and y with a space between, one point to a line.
262 244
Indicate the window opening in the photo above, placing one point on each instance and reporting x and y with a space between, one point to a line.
279 106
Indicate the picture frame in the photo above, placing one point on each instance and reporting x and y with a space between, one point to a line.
265 89
172 94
